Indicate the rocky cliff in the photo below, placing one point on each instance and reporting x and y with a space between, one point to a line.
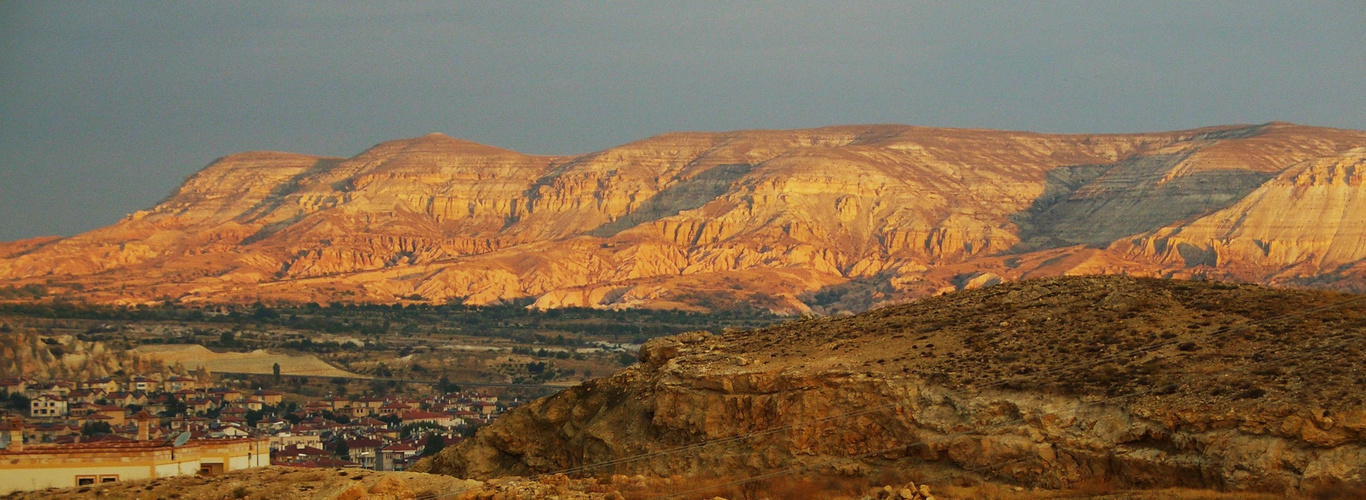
46 357
829 219
1052 383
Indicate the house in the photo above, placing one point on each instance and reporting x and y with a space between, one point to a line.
46 406
80 409
355 411
14 385
83 396
199 405
144 384
418 416
116 414
174 384
120 398
159 404
393 408
51 432
363 451
60 388
271 398
138 398
368 404
190 424
485 409
95 418
396 456
368 422
286 440
226 395
316 407
230 431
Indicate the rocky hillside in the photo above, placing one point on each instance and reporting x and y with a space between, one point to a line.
1054 383
828 219
44 357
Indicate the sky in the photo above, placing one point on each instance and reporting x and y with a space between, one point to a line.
106 107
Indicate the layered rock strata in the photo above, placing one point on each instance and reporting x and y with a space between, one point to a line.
824 220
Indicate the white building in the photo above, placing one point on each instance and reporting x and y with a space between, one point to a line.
26 467
45 406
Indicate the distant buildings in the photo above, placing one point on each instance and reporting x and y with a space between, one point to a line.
108 430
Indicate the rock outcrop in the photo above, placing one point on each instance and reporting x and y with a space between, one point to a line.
1053 383
829 219
45 357
1300 224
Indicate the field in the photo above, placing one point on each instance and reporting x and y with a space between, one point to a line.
260 361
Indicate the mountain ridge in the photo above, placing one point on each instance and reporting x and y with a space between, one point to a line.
875 214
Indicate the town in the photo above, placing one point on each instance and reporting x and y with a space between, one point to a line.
62 433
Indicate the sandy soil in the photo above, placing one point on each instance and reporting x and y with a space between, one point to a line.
259 361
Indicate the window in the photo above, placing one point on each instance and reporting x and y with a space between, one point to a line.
109 478
85 480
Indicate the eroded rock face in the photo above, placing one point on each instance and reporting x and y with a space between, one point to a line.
837 218
1305 218
29 354
1167 383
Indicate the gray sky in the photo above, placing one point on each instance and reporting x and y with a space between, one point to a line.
106 106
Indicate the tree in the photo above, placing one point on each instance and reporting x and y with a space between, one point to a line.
343 452
227 338
445 386
96 428
276 368
264 313
434 445
18 402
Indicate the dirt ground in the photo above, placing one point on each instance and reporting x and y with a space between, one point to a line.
355 484
259 361
270 483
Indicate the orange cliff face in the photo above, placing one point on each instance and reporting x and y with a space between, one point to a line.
837 218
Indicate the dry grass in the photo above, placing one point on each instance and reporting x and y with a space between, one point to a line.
1004 492
785 487
1287 347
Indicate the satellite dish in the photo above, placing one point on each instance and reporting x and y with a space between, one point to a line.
181 439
